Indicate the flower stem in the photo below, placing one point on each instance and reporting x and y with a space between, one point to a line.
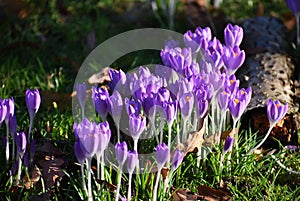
263 140
119 183
89 165
7 143
102 165
169 140
30 128
298 29
19 169
156 184
98 157
129 187
83 178
135 144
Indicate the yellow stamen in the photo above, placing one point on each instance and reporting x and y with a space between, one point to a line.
236 100
188 98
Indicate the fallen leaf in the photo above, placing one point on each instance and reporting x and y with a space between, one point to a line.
211 194
186 195
194 142
101 77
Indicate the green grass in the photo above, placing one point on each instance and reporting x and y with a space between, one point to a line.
51 65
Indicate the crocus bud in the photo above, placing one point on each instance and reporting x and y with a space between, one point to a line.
233 35
186 103
101 101
3 111
33 101
162 154
79 151
228 144
132 160
115 106
21 142
177 159
104 134
10 108
121 152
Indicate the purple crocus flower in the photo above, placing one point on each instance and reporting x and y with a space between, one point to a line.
132 106
33 101
201 107
233 58
149 105
237 108
117 79
121 152
180 87
197 40
132 160
294 5
21 143
216 79
245 94
12 124
162 154
177 58
85 131
233 35
228 144
137 125
101 101
79 151
186 103
3 111
170 111
232 84
81 93
138 89
275 111
223 100
116 106
177 159
163 72
10 108
104 133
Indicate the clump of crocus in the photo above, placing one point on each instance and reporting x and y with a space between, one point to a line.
162 154
132 160
81 95
121 150
275 111
33 102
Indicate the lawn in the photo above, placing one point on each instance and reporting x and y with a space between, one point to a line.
46 46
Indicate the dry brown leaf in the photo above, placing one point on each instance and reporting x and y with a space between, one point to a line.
35 176
211 194
194 142
185 195
101 77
